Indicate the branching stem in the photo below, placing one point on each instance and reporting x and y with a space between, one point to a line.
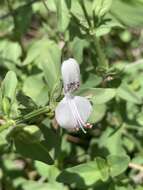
33 114
136 166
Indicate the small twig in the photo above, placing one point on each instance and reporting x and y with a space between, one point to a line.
136 166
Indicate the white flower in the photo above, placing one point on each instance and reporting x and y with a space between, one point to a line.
73 111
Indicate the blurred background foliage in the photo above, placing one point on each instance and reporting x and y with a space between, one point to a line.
105 37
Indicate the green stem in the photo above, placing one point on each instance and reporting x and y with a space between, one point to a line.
25 118
45 5
133 127
85 13
33 114
102 61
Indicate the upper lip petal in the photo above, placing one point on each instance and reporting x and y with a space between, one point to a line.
70 75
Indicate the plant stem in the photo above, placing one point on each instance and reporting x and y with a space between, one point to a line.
102 61
33 114
85 13
25 118
136 166
45 5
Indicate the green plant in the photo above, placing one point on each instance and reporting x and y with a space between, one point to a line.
105 37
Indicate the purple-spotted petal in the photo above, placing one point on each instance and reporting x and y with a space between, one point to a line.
64 116
70 75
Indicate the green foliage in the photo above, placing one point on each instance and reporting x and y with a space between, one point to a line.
85 174
117 164
9 85
28 143
99 170
129 14
36 89
101 7
63 16
105 37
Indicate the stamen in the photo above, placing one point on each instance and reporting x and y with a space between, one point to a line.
75 115
81 122
78 113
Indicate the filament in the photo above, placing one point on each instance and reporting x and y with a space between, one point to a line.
81 122
76 115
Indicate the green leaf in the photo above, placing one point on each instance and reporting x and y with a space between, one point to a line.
85 174
29 185
48 59
106 28
128 12
53 142
103 95
139 188
101 7
117 164
98 95
10 53
51 5
77 47
98 113
49 172
0 100
35 88
106 140
27 143
126 93
6 105
92 81
63 16
9 85
22 20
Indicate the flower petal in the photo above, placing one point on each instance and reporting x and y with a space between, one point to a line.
64 116
73 112
71 75
84 107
